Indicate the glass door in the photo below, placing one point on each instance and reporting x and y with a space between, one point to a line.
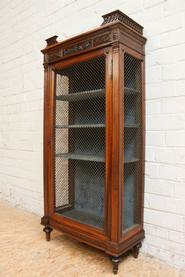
80 142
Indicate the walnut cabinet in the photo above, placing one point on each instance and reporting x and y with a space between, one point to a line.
94 130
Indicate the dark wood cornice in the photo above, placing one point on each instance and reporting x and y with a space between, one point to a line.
93 40
115 25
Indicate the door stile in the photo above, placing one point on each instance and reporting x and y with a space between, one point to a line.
46 141
116 153
49 134
108 133
142 141
121 146
108 140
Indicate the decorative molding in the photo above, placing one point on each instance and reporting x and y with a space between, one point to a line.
115 34
52 40
115 46
101 39
45 65
45 221
58 52
118 16
106 51
53 55
77 47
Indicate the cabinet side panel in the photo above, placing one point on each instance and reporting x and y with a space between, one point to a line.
132 187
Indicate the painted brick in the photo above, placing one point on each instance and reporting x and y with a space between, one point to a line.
164 122
155 138
157 231
173 105
171 7
153 107
164 219
175 138
168 55
166 24
172 38
153 75
159 187
179 190
151 3
173 71
161 203
175 155
177 237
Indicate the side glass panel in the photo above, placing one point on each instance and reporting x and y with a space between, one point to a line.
132 142
80 142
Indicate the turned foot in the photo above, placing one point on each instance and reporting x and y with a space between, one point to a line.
115 262
48 231
135 250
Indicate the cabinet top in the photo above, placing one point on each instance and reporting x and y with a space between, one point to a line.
116 27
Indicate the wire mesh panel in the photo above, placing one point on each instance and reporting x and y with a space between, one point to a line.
132 141
80 142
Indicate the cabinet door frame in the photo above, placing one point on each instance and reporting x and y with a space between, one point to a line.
137 228
49 141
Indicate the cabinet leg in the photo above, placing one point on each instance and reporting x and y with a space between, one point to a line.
48 231
135 250
115 263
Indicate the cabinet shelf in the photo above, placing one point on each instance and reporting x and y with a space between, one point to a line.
84 217
81 126
89 157
131 91
130 161
90 94
130 126
83 95
82 157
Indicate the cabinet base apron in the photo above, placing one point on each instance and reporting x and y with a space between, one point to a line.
115 251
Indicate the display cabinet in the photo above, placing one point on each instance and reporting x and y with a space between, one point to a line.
94 136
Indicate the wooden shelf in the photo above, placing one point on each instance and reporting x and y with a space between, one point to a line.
130 126
81 126
89 157
130 91
83 95
132 160
83 217
82 157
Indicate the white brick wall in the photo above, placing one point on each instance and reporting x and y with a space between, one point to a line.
23 27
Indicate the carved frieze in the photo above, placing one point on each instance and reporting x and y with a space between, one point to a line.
77 47
53 55
57 53
101 39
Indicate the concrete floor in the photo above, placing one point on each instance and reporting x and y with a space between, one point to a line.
25 253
